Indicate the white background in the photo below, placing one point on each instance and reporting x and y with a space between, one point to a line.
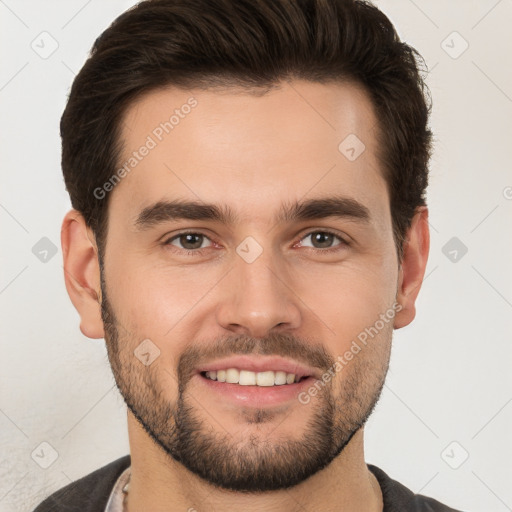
450 376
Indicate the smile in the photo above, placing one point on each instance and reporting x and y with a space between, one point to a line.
248 378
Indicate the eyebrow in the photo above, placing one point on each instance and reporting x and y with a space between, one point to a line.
312 209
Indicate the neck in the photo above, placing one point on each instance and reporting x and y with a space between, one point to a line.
160 484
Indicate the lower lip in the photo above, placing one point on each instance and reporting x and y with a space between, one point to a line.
257 396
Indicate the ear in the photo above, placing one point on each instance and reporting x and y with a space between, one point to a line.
412 268
82 273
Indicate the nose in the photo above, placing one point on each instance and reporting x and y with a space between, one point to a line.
258 298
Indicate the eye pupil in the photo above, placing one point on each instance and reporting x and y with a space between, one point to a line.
188 239
324 239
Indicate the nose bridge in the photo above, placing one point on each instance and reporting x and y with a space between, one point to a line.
258 297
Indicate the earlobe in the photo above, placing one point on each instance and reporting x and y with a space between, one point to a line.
82 273
412 270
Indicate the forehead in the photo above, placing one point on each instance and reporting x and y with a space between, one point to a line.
253 152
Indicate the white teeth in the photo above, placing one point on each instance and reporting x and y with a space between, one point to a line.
265 378
280 378
232 375
248 378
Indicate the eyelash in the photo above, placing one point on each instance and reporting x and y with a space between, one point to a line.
198 252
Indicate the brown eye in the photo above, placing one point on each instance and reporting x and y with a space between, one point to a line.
187 241
323 240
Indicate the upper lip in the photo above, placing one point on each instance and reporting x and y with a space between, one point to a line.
260 364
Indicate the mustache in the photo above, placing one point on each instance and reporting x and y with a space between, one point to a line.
277 344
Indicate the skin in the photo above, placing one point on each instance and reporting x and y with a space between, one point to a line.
252 153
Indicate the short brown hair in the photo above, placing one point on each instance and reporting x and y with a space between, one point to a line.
252 44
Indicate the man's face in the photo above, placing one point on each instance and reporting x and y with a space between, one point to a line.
256 290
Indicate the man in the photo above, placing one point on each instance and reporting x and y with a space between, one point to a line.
248 227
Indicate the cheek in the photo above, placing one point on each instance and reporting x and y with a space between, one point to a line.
156 300
350 296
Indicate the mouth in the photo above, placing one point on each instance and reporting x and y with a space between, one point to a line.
255 381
